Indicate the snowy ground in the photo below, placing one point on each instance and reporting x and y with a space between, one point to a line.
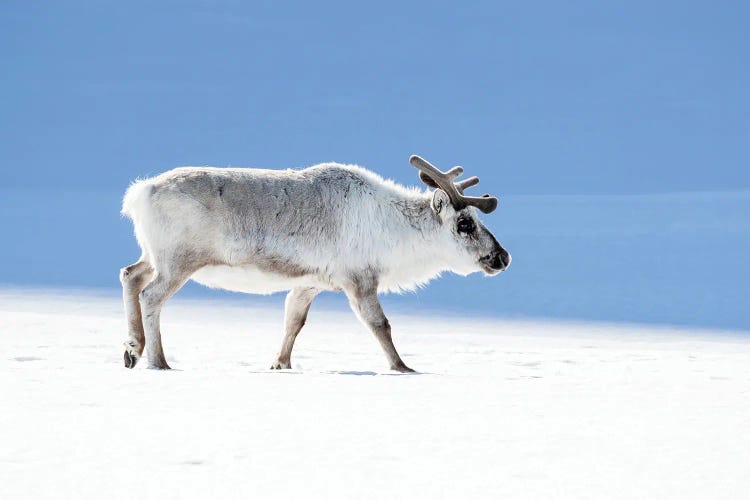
500 409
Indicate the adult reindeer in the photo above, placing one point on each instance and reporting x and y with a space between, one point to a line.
326 227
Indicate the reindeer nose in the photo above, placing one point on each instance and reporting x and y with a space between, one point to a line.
506 259
501 260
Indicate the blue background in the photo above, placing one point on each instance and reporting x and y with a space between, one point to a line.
615 134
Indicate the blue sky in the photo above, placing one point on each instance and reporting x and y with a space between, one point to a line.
539 97
582 100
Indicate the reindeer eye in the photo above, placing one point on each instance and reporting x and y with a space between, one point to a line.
465 225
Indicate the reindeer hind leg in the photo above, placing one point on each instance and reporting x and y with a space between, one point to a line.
170 276
134 278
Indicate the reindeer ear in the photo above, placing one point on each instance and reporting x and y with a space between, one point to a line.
440 200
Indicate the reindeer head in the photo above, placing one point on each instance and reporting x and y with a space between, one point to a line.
471 242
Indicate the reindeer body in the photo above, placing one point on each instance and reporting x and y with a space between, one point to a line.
327 227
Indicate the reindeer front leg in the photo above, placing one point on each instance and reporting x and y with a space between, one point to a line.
296 306
363 298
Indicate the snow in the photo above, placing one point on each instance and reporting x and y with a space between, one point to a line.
501 409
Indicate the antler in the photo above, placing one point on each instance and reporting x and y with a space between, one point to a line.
434 178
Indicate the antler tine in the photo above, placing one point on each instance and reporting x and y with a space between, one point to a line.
428 168
433 177
467 183
486 204
454 173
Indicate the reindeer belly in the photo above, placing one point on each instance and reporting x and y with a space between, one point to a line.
249 279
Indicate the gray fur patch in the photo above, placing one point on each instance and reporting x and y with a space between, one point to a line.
282 267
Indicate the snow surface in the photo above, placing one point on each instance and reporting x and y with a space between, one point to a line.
500 409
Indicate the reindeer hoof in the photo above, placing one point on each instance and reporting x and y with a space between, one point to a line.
279 365
130 359
159 365
132 353
403 369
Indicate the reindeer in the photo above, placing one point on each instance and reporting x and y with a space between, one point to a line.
327 227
